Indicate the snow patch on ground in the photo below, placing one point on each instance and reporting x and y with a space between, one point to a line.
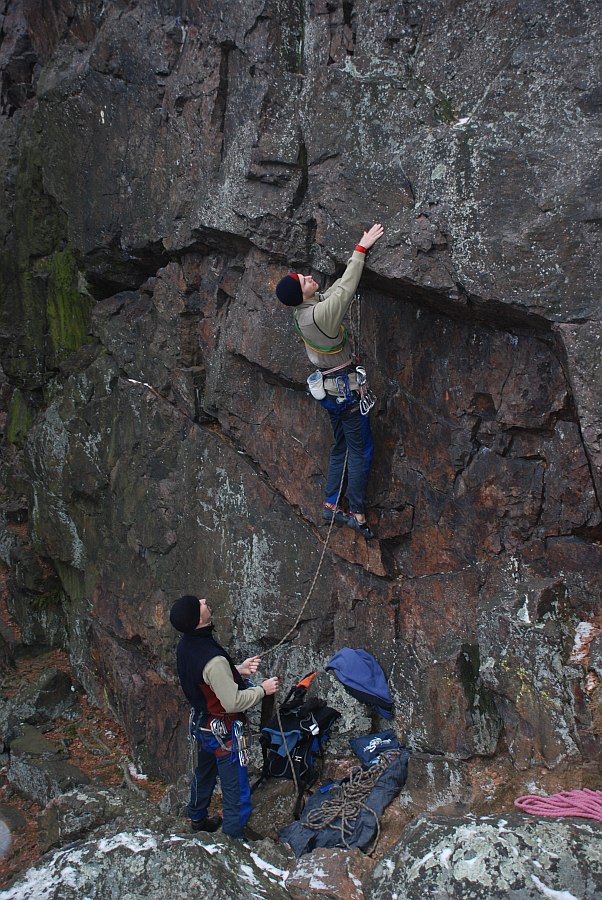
551 894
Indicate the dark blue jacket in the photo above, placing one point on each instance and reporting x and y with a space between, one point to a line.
359 672
193 653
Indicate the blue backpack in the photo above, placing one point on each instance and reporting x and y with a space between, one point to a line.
306 725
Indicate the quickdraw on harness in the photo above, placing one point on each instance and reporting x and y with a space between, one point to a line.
367 397
345 396
232 740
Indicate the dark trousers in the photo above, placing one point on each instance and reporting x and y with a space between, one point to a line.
234 779
352 434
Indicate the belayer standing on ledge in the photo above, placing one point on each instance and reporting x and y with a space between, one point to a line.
219 696
338 384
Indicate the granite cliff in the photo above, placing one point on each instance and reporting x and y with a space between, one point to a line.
161 166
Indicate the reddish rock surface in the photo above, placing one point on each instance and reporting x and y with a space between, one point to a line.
161 167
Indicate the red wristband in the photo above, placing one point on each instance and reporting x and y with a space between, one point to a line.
360 248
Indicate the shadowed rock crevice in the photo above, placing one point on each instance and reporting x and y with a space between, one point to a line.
18 74
463 306
117 268
218 116
301 191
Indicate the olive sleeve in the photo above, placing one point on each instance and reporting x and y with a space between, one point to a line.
330 312
218 675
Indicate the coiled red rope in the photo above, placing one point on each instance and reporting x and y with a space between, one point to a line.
584 803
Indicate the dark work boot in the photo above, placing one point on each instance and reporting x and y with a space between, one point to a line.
209 823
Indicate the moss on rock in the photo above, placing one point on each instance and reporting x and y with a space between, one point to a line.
68 309
20 419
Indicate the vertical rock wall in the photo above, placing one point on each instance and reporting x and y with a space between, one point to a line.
162 165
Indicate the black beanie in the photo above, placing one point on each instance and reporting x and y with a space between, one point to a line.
288 290
185 614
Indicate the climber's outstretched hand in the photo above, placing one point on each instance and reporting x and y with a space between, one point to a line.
372 236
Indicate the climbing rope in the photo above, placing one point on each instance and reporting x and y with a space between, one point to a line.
584 803
344 802
298 619
165 399
321 560
355 327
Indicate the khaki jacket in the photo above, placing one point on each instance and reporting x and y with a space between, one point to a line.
320 322
218 676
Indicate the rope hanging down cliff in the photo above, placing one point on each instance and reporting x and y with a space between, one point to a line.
355 330
283 640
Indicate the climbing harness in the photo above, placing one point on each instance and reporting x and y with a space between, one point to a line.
346 365
230 740
584 803
346 397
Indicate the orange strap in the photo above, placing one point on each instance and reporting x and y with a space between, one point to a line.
307 680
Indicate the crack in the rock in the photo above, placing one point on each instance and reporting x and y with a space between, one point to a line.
271 377
303 185
218 115
562 357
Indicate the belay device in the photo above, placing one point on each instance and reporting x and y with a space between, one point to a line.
305 729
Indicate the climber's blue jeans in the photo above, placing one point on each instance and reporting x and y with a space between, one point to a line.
351 433
234 780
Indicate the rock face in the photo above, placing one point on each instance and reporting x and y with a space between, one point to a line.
154 863
114 845
162 165
491 857
45 698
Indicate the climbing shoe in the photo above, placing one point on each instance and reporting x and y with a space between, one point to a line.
361 527
340 516
208 823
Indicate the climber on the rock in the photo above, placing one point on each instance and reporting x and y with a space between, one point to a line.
219 696
338 386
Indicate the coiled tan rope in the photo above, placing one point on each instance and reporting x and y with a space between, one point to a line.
346 801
